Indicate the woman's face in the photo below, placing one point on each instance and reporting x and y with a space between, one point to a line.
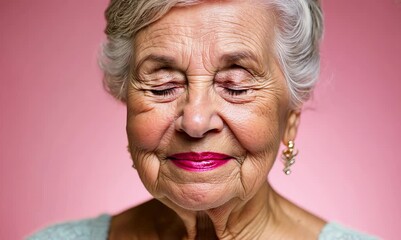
208 105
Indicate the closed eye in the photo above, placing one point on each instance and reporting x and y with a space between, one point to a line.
236 92
164 92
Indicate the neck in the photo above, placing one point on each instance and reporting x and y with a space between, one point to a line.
237 219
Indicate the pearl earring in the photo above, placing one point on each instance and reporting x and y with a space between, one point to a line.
288 157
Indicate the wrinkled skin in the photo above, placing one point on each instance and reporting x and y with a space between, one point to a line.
205 78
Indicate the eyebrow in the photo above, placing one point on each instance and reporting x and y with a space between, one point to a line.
227 58
159 59
235 57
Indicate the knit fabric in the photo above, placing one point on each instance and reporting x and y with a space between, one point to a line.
334 231
87 229
97 229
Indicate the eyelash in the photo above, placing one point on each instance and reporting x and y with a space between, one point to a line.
236 92
163 92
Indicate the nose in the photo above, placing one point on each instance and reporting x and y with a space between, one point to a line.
199 115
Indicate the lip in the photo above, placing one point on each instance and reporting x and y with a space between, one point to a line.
199 161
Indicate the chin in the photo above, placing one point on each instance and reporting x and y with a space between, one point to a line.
201 197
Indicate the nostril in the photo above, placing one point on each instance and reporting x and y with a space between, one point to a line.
217 123
197 126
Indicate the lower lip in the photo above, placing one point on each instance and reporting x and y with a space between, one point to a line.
199 166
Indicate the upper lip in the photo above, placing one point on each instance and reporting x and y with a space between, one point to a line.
199 156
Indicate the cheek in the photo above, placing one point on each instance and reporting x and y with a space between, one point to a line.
257 130
142 132
147 127
145 131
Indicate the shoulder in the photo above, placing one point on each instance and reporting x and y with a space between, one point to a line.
335 231
92 228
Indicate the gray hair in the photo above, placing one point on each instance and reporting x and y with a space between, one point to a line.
298 35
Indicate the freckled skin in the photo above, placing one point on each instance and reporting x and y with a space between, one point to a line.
206 80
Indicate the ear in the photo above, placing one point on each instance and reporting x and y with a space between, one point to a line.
291 127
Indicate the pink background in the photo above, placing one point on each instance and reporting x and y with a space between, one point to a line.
63 145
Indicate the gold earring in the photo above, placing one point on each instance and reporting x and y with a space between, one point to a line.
288 157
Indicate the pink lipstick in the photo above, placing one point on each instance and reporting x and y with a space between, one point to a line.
199 161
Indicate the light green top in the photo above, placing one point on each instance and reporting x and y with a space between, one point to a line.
97 229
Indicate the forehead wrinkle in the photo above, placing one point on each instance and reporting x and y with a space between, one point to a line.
256 29
151 42
237 35
199 64
177 26
230 29
160 37
255 39
256 32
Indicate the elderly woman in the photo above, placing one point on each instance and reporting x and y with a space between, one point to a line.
212 88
